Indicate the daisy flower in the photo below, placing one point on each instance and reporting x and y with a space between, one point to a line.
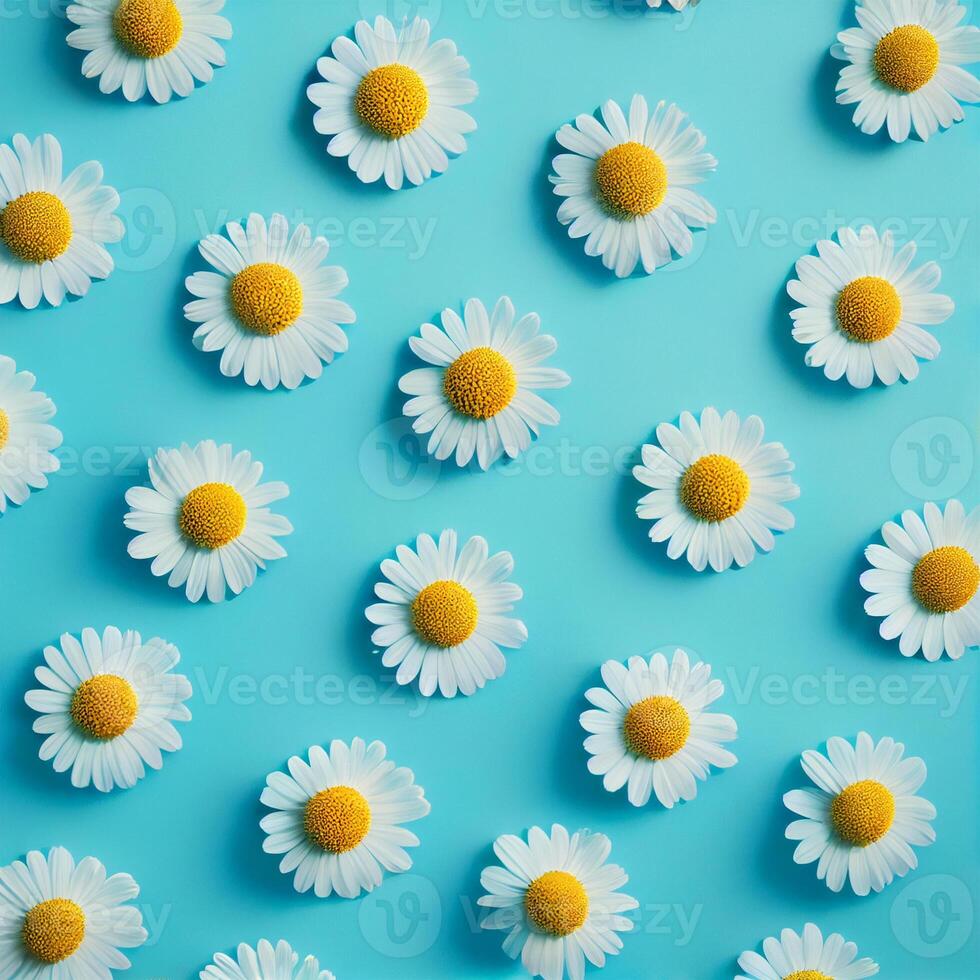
26 439
108 705
905 66
558 899
338 818
264 963
479 395
52 231
717 489
443 618
925 581
391 100
205 521
160 46
806 957
863 308
627 184
62 920
861 821
269 307
649 729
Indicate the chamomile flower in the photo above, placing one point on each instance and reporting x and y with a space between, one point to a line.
266 962
52 230
108 705
905 66
443 615
861 821
864 307
478 396
650 731
338 818
717 489
270 306
160 46
558 899
65 921
390 99
26 438
205 521
926 581
806 957
627 184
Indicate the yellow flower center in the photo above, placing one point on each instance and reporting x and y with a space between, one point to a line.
480 383
556 903
4 428
869 309
148 28
656 727
104 706
945 579
631 180
213 515
53 930
907 57
36 227
444 613
807 975
337 819
863 812
392 100
266 297
714 488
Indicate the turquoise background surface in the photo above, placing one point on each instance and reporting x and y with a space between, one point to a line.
290 663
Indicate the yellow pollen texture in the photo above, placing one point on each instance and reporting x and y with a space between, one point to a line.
907 57
213 515
444 613
656 727
148 28
714 488
863 812
392 100
945 579
631 180
868 309
480 383
104 706
266 298
53 930
36 227
4 428
807 975
337 819
556 903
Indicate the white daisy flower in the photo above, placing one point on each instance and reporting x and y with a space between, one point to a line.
206 522
160 46
108 705
718 489
338 818
558 898
62 921
479 395
626 184
267 962
650 731
926 581
676 4
52 231
806 957
861 821
863 308
270 307
905 66
443 618
391 101
26 438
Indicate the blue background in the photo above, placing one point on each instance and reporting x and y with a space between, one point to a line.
755 76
